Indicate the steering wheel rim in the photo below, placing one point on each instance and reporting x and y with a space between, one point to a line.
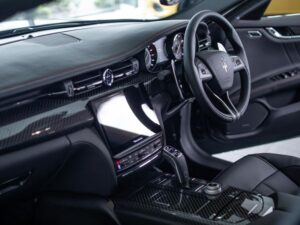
205 66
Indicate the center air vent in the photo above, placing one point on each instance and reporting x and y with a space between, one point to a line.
103 77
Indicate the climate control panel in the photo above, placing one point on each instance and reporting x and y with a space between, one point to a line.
138 156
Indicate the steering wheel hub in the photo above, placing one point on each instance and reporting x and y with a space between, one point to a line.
221 66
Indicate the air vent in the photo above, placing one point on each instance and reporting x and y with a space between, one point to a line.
286 75
104 77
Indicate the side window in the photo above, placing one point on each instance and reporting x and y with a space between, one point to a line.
283 7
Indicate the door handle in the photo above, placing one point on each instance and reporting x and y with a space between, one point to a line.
14 183
254 34
275 33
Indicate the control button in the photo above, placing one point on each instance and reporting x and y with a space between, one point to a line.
139 155
155 146
119 165
157 141
213 189
131 161
166 148
123 160
238 62
203 69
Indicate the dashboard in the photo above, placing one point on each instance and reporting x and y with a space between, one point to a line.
82 75
66 54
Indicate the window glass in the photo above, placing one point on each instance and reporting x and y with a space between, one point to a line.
72 10
283 7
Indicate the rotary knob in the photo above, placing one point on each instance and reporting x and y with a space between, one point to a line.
108 77
213 189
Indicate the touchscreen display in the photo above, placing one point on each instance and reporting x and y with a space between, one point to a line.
120 124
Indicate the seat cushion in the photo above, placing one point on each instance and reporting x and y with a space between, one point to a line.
264 174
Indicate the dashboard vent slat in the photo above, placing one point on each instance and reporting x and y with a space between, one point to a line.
122 68
87 80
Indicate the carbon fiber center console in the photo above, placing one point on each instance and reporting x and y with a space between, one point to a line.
163 201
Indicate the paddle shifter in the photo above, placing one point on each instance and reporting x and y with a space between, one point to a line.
178 162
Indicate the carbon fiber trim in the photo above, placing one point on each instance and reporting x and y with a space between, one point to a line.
44 118
233 206
41 125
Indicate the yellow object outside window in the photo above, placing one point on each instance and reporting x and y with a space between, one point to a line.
283 7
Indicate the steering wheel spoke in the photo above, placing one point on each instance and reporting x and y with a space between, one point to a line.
232 106
238 63
226 104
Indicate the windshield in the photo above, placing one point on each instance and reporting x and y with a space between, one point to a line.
72 10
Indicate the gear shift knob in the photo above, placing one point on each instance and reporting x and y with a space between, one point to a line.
178 162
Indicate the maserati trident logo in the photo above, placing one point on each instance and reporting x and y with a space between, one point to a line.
224 65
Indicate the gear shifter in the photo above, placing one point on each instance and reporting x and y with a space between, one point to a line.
178 162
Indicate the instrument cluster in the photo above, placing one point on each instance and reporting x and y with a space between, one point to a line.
163 50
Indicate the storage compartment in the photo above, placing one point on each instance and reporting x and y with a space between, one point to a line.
24 172
67 180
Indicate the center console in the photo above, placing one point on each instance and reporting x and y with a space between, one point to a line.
163 201
179 199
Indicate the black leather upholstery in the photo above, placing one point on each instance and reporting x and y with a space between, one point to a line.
264 174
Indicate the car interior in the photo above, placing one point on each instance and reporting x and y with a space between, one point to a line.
116 122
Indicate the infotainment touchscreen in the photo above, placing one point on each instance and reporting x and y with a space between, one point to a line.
120 124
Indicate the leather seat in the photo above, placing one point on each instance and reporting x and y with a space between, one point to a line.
264 174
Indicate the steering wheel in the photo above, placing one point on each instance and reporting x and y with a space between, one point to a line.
210 73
